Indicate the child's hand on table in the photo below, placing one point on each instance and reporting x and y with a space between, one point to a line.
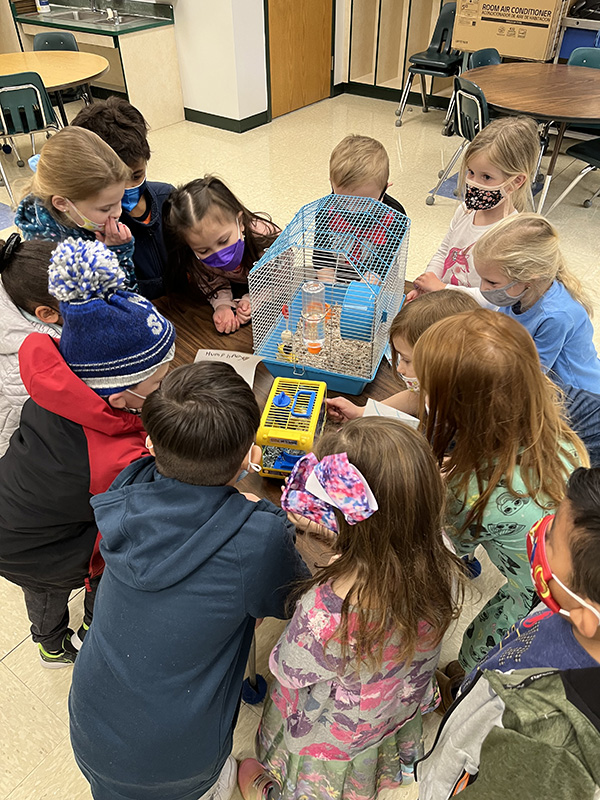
225 320
115 233
341 410
428 282
243 311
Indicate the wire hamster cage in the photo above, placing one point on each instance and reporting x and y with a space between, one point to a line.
326 291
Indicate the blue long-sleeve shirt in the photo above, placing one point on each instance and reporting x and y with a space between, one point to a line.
563 334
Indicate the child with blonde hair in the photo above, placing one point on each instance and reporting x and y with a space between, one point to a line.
76 191
523 271
360 166
495 424
495 177
408 325
356 663
214 240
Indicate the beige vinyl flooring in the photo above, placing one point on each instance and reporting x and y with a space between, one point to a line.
276 169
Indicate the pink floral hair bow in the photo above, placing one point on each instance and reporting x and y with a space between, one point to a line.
315 488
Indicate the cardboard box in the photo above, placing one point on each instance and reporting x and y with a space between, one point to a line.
517 29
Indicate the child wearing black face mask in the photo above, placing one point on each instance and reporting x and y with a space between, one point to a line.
495 177
213 241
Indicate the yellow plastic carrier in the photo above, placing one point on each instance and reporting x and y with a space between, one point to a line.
293 418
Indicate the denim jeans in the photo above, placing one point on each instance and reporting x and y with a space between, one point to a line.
583 409
48 612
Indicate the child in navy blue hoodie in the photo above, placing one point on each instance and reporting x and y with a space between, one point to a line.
124 128
191 564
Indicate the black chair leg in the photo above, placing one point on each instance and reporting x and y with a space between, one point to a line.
404 99
424 94
61 109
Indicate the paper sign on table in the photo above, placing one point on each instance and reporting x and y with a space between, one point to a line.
243 363
375 409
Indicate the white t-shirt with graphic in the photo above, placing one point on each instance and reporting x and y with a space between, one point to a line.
453 262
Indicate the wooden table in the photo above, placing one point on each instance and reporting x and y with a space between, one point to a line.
58 69
550 92
195 331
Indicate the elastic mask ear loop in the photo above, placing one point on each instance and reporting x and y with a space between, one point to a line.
577 598
251 465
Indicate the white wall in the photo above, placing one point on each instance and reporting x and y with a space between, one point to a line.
221 50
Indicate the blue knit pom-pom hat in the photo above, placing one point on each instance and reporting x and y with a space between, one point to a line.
111 338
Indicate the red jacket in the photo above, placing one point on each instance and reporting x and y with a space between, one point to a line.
71 444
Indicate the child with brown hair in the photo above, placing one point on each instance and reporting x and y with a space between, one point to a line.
76 192
191 563
214 241
79 428
124 128
496 175
408 325
497 429
356 663
360 166
26 306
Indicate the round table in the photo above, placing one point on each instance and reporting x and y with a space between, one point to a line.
550 92
58 69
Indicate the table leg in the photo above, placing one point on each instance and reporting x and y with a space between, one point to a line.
548 179
61 108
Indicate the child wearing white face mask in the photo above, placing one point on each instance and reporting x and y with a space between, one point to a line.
191 564
495 177
76 191
409 324
522 270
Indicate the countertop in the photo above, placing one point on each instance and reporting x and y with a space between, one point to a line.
142 23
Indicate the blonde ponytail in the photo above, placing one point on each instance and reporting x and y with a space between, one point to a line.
526 248
77 164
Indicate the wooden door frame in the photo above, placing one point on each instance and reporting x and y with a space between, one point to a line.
268 55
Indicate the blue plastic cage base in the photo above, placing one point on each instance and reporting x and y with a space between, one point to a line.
347 384
336 382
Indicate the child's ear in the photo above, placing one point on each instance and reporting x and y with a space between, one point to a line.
48 315
149 445
60 203
117 400
518 181
585 620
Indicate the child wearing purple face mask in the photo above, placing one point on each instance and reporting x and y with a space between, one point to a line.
495 176
355 665
213 241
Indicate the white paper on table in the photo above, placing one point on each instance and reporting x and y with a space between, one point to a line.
375 409
243 363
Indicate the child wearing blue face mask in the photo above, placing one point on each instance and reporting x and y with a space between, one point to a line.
76 192
495 177
124 129
213 241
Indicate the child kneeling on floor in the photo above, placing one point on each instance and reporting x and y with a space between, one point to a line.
355 665
191 563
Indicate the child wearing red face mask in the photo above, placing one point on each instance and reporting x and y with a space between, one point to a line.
495 177
564 552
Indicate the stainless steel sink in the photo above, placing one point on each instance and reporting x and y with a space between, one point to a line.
81 15
96 17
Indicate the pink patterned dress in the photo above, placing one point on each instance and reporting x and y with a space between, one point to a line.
329 731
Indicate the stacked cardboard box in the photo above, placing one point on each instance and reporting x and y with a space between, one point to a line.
525 29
